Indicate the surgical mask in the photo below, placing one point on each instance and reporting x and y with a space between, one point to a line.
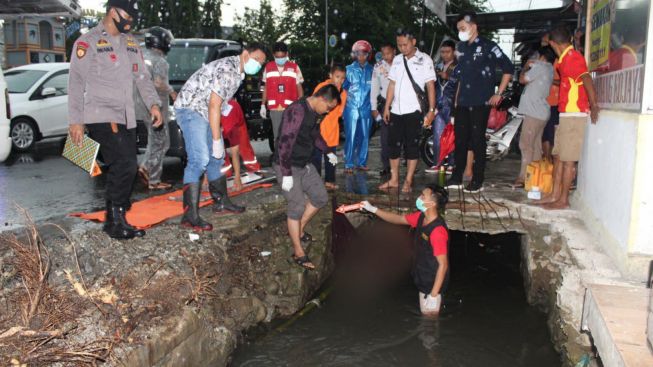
122 24
252 67
464 36
419 203
280 60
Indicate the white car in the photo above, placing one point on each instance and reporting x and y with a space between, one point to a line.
5 112
39 102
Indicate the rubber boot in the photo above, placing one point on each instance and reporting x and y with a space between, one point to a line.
218 190
117 227
108 219
191 218
123 221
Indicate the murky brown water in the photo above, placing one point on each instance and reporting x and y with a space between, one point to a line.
372 317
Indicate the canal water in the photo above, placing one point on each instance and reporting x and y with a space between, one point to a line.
371 315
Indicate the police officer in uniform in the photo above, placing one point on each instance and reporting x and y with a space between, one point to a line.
105 65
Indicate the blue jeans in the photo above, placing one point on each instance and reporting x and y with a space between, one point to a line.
441 120
199 146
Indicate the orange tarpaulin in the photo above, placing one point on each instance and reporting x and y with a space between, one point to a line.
154 210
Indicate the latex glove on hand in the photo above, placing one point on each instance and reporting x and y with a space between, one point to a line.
287 183
333 159
218 149
433 303
369 207
263 112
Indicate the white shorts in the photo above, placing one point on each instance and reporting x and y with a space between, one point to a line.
425 308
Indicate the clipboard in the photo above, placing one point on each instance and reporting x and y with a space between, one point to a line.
85 157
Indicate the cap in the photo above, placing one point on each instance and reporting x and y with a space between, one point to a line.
130 6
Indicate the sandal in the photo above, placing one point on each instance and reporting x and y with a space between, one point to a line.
304 262
159 186
144 175
306 237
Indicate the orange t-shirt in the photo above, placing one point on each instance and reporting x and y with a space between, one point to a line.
329 127
622 58
554 92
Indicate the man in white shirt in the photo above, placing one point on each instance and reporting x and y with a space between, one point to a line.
407 115
380 84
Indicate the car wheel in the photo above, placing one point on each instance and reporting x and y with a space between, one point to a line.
23 134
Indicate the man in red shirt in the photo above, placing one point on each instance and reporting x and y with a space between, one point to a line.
283 85
431 269
577 98
234 129
626 56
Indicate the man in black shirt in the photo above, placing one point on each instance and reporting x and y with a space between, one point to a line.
478 60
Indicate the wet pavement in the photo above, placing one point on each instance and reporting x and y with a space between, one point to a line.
49 187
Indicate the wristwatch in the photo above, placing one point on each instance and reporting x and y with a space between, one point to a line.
432 109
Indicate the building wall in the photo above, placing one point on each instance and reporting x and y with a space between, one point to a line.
607 170
614 188
641 231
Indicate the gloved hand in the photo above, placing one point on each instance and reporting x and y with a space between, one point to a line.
369 207
218 149
333 159
287 183
433 303
263 112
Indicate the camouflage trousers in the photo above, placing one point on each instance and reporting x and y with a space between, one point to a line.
158 143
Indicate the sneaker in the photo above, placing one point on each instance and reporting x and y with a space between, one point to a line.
434 169
453 184
473 187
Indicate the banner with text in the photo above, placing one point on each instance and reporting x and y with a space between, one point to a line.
622 89
600 36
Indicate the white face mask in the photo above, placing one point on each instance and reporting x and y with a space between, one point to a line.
464 36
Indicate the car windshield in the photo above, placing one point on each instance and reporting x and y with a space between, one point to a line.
185 59
20 81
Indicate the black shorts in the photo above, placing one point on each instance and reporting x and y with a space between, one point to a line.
404 130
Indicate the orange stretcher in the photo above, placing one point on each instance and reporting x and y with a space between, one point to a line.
156 209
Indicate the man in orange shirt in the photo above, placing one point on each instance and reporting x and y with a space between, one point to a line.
577 98
330 128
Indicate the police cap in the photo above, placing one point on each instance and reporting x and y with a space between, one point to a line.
130 6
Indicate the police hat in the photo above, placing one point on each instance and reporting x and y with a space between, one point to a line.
130 6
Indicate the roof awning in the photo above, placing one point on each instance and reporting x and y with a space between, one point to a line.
528 24
40 8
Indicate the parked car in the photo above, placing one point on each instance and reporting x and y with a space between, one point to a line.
5 116
38 96
185 57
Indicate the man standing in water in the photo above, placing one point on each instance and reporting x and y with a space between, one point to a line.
431 269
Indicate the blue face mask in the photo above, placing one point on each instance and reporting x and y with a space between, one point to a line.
419 203
280 60
252 67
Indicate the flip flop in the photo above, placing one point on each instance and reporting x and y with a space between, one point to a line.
159 186
144 175
304 262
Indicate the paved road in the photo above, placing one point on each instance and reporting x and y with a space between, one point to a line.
49 186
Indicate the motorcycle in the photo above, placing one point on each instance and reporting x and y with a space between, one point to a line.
500 137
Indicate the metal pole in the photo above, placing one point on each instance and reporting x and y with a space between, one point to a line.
326 32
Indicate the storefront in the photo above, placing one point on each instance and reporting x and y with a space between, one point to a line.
614 178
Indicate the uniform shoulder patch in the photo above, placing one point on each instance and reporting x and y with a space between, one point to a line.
82 48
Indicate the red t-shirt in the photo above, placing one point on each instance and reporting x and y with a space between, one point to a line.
622 58
572 66
439 236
